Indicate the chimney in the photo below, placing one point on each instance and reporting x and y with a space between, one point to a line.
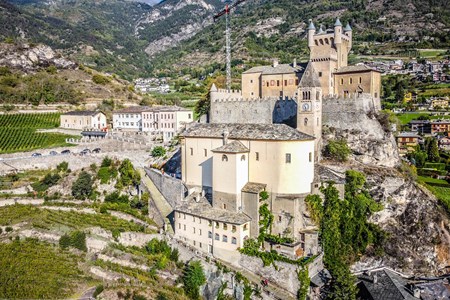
275 62
225 137
416 292
375 278
294 64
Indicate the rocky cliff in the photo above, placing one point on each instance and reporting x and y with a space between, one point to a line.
418 241
32 57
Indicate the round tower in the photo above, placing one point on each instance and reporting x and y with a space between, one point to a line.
311 32
338 32
349 32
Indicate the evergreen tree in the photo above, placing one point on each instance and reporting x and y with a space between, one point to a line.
82 187
193 278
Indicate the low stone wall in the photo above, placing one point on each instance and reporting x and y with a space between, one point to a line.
172 189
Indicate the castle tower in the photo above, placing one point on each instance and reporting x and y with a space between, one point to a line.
309 112
328 52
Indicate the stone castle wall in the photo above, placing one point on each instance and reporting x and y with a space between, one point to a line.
257 111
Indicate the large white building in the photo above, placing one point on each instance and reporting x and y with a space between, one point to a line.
163 121
226 167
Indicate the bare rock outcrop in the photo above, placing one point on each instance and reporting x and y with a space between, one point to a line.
30 58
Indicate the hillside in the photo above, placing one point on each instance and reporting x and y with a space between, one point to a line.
134 39
36 74
111 36
266 29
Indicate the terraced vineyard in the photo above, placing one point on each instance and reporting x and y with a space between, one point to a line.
18 132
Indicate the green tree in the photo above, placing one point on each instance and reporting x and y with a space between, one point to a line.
78 240
128 176
337 150
193 278
82 187
63 167
158 151
432 149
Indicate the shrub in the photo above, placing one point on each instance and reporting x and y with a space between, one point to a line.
64 241
82 187
98 290
8 229
1 230
337 150
63 167
100 79
264 195
115 197
78 240
106 162
104 175
158 151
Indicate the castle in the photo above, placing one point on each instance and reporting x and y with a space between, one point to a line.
267 138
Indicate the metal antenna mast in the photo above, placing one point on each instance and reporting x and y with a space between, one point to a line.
226 11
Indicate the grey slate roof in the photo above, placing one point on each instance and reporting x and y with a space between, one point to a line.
82 113
389 286
310 77
279 69
311 25
338 22
233 147
358 68
203 209
166 108
408 134
132 109
348 27
273 132
253 187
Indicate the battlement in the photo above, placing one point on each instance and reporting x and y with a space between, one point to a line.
255 99
364 103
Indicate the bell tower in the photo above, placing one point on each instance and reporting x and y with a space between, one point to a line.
309 109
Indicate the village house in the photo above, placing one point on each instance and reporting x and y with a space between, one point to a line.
407 142
440 126
84 120
439 103
420 126
165 121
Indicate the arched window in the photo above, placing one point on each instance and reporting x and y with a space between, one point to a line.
342 81
315 42
243 157
351 80
321 41
306 121
360 79
317 95
326 41
224 158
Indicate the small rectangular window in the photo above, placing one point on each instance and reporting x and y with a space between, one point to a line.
224 206
225 239
233 228
200 244
225 226
320 74
192 151
184 227
288 158
285 82
257 155
210 234
278 83
279 218
206 152
310 156
233 240
217 237
193 230
179 225
199 232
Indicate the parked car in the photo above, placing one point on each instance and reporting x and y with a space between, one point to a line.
65 152
53 153
97 150
85 151
36 154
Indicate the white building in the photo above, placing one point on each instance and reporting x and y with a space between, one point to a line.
165 120
84 120
128 119
231 164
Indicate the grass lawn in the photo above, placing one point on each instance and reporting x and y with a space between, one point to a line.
405 118
431 52
432 180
